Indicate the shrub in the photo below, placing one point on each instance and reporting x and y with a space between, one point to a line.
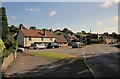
2 49
11 45
95 41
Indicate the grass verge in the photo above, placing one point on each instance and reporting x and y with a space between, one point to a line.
52 55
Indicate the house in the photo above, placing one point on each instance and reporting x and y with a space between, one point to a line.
72 37
26 37
61 40
109 40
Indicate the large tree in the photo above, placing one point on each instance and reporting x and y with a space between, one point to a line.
13 29
83 32
66 30
114 35
4 24
106 34
32 27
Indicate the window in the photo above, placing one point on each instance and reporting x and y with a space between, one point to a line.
50 39
30 38
41 39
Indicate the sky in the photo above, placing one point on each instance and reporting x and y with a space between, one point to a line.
99 17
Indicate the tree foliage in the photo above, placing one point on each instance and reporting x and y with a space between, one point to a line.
32 27
9 41
14 29
4 24
2 49
83 32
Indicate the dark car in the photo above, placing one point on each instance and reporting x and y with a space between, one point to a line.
78 45
75 46
53 45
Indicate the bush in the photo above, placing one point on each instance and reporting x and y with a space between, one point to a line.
2 49
95 41
11 45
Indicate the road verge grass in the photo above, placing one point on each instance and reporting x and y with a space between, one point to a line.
51 55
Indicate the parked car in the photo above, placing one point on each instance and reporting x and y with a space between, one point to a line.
81 44
53 45
75 46
38 46
78 45
20 49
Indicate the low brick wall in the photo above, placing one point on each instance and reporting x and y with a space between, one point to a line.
7 61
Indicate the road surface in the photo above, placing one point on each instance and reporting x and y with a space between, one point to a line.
100 61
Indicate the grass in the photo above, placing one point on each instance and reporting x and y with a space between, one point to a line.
52 55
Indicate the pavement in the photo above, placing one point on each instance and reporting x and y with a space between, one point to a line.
25 62
101 60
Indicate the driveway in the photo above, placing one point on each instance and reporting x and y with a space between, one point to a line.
25 62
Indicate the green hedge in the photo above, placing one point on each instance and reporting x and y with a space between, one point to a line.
95 41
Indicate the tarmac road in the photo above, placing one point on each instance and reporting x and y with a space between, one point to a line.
102 61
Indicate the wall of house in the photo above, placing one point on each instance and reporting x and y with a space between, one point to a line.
110 41
28 42
20 39
64 44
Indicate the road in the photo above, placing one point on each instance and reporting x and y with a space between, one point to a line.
103 60
100 61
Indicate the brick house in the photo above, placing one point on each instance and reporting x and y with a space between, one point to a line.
26 37
61 40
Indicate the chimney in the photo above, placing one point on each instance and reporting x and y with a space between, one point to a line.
21 27
44 32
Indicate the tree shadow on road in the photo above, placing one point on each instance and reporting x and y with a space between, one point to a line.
62 68
72 67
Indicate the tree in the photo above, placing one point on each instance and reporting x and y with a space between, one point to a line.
32 27
106 34
4 24
114 35
2 55
51 30
65 30
13 29
0 23
83 32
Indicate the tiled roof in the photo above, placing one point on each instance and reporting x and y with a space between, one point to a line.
60 38
36 33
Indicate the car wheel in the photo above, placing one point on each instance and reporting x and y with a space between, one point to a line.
19 50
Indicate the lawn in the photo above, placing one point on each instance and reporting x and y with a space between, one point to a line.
52 55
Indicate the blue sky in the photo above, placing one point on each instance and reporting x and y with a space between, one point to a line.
77 16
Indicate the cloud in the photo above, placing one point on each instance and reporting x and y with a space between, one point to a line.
52 13
115 19
99 23
109 3
13 17
33 9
